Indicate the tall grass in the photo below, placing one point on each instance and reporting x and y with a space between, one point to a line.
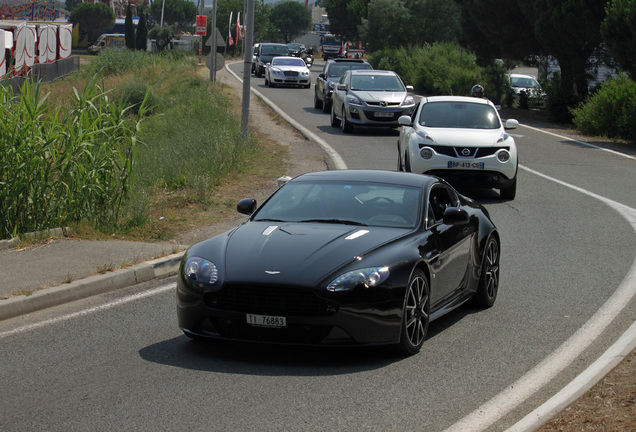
58 167
77 163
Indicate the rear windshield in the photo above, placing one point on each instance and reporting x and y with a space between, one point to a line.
337 69
465 115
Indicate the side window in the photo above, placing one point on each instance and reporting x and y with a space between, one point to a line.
344 77
439 199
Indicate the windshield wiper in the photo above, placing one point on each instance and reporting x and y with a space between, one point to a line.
335 221
268 220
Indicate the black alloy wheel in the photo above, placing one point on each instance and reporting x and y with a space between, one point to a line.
416 318
489 281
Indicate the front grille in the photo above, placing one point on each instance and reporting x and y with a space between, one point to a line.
269 300
291 73
383 103
239 329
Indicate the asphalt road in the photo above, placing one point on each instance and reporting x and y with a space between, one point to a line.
119 362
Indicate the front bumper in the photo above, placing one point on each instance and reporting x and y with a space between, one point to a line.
361 115
486 171
325 322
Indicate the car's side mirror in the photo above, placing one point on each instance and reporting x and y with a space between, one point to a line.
455 216
246 206
405 121
410 88
342 87
321 75
511 124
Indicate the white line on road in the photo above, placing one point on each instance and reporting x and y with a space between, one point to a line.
85 312
562 357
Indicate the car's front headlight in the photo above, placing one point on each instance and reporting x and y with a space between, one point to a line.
363 278
408 101
201 270
275 71
354 100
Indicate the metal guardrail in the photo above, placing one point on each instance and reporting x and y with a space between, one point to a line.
47 72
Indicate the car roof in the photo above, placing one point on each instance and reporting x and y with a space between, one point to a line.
522 76
371 72
346 60
469 99
371 176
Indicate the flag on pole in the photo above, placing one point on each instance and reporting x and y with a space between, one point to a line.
229 31
238 25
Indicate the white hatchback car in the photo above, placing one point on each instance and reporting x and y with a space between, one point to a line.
287 71
460 139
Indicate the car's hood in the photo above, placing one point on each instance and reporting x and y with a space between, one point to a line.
465 137
290 68
379 96
300 253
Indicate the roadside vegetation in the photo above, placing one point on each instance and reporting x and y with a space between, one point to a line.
136 138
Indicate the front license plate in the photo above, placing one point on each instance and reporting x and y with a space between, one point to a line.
466 165
266 320
383 114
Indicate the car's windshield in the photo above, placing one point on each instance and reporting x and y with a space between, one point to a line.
524 82
347 203
466 115
288 61
330 40
269 50
336 70
376 83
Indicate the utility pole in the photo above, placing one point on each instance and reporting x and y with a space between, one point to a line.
248 44
213 53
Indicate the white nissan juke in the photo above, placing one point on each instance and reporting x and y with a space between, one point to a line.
462 140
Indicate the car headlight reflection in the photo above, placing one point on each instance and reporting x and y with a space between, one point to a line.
364 278
503 155
201 270
426 153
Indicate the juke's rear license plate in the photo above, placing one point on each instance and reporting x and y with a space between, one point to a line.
266 321
466 165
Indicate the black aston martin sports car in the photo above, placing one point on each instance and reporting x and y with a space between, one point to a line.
348 257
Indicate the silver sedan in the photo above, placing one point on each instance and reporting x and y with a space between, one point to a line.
370 98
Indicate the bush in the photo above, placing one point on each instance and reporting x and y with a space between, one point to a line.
433 69
611 111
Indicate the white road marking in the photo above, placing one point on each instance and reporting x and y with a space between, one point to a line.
85 312
562 357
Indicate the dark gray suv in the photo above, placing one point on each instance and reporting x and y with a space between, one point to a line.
266 52
329 77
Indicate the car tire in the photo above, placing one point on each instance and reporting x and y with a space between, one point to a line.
317 102
489 280
345 125
509 192
416 315
308 85
335 121
400 165
326 107
407 162
267 82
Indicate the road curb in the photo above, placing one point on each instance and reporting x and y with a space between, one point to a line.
83 288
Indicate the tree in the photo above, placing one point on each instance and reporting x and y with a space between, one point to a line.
69 5
346 17
93 18
129 29
180 14
141 37
619 33
386 25
291 19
